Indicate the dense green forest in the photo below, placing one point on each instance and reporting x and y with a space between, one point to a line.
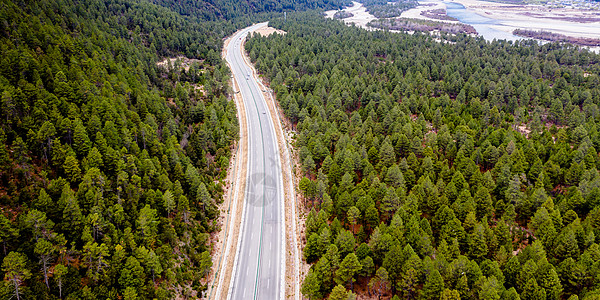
461 169
111 166
232 9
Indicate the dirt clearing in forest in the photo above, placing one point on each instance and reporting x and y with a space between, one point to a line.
267 31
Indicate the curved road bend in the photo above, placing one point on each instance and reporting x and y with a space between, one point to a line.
259 267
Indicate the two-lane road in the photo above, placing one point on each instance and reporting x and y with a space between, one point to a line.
259 267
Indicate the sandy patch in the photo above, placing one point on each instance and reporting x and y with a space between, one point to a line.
361 17
181 61
415 13
267 31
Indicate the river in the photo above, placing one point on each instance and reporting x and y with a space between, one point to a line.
482 24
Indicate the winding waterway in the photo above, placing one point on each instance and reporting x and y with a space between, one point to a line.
482 24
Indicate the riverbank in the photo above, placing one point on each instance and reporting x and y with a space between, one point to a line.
360 16
494 20
567 21
424 6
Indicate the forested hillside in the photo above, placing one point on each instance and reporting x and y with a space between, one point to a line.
110 165
232 9
460 169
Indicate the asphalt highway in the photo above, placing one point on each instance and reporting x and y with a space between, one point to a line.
259 267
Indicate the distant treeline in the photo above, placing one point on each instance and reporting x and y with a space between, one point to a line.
422 25
557 37
439 14
230 9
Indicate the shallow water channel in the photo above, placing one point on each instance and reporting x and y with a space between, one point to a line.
482 24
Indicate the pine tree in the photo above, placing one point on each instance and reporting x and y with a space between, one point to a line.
153 263
345 242
394 176
132 274
44 249
483 200
95 259
368 266
7 231
477 243
81 141
148 224
59 273
310 286
549 281
532 291
434 286
311 250
39 224
390 202
15 270
348 269
353 216
386 154
169 202
407 285
380 283
490 289
72 170
338 293
451 295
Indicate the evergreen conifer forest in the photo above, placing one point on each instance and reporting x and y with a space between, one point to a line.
431 167
459 169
